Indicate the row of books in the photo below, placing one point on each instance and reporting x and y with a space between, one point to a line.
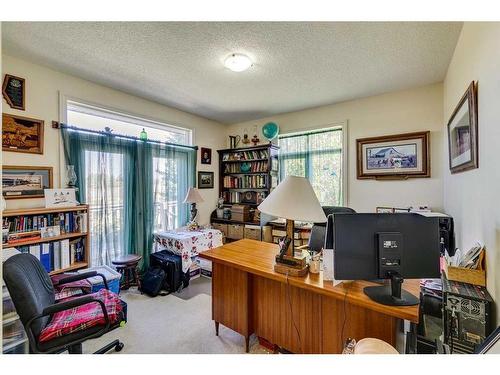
245 182
246 155
68 222
58 254
254 197
259 166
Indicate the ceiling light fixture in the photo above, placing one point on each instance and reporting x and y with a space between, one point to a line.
237 62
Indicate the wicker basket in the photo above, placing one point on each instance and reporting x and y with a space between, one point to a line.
466 275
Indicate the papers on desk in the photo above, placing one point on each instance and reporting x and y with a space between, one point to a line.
469 259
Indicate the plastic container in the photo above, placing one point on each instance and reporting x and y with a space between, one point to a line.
112 277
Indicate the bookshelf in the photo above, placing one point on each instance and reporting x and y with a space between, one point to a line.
248 174
73 223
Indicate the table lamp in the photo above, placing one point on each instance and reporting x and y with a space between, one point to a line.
193 196
293 199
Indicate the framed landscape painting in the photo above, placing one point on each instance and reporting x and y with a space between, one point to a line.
22 134
398 156
462 133
205 180
25 182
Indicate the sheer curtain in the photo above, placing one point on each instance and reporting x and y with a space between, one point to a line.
318 157
125 181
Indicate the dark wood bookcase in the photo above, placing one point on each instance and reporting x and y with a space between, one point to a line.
247 175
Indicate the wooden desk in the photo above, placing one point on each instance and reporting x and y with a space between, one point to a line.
248 296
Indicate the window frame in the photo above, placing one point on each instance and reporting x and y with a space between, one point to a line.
342 125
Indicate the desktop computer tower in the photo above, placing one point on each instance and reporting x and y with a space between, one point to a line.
467 319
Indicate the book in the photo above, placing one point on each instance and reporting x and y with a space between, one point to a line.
65 256
57 255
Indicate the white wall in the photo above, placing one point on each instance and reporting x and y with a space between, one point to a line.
43 86
472 197
399 112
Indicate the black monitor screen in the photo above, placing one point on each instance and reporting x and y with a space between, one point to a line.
356 245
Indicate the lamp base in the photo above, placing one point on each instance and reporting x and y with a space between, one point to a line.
290 271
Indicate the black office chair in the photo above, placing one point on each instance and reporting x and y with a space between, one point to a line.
318 231
33 295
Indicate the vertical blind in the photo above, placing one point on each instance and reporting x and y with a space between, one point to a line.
318 157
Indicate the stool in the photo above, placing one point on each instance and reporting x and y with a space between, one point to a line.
127 266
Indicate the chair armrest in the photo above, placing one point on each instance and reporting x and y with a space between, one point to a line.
82 276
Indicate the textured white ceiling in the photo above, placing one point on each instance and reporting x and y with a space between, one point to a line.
296 65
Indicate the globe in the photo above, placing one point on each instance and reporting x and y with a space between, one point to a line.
270 130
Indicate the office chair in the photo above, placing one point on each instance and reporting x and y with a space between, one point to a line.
53 327
318 231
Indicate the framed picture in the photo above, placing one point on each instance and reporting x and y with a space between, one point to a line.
462 133
25 182
60 198
206 155
13 91
398 156
22 134
205 180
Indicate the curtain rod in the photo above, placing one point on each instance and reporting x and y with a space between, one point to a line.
312 132
60 125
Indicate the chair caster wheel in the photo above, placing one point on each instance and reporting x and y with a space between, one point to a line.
119 347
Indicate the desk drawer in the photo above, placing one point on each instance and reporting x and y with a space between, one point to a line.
253 232
221 227
235 231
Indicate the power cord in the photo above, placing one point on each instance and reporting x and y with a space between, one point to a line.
291 312
346 287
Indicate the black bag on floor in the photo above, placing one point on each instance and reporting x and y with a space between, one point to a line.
175 279
153 281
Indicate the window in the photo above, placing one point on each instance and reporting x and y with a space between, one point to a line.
94 118
318 156
107 177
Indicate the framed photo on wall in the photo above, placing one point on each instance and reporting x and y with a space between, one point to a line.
462 133
206 155
389 157
25 182
22 134
205 180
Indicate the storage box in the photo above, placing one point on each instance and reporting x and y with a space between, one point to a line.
206 267
466 275
253 232
235 231
112 277
194 271
240 212
221 227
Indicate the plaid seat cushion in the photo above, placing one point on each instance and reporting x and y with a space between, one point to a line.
83 317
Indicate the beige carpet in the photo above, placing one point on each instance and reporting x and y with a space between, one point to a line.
177 323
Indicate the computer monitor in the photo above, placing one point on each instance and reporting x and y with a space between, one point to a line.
396 246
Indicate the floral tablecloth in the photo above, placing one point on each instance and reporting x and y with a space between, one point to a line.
186 243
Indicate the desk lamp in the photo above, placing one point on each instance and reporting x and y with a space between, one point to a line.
293 199
193 196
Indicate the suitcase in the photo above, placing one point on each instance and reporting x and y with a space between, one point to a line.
175 279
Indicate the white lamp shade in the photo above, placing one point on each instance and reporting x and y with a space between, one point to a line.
294 199
193 196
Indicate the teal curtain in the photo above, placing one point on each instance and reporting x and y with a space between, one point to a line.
124 181
318 157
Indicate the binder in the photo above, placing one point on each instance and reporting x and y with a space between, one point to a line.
57 256
35 250
65 257
45 256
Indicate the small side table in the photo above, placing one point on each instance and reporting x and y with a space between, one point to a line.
127 266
